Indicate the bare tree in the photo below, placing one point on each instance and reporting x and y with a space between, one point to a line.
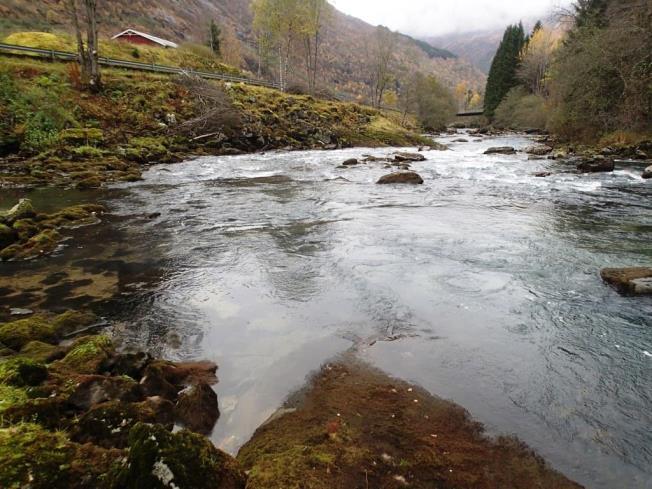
380 54
315 13
85 12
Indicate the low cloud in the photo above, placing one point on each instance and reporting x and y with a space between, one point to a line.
438 17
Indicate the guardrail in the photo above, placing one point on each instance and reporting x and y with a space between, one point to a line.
54 55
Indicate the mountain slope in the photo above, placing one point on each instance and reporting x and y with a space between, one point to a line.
478 48
343 54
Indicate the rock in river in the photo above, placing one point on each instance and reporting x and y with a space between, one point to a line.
647 173
350 162
629 281
539 150
501 150
401 157
401 177
596 165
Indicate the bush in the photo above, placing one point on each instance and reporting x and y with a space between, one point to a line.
521 110
435 104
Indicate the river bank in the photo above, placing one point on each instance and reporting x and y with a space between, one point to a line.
54 134
176 301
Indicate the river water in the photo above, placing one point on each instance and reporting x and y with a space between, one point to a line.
481 285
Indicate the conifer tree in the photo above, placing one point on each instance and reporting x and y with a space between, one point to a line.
502 76
214 38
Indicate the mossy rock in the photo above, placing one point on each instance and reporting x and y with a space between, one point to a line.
7 236
72 321
86 355
22 210
33 457
41 352
159 459
53 413
84 136
147 149
17 334
44 242
22 372
108 424
11 396
25 228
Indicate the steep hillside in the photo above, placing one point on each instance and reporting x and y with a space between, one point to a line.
478 48
344 40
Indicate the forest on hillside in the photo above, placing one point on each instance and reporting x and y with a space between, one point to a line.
588 77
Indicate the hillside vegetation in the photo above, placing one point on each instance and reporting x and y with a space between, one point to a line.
62 134
590 84
344 40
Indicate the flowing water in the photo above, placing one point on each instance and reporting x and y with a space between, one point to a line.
482 285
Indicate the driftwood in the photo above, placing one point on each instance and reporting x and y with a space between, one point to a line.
216 114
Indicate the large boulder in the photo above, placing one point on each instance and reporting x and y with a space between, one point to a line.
629 281
647 173
501 150
158 459
97 389
108 424
596 165
402 157
401 177
197 408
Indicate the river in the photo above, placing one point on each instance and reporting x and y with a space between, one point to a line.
481 285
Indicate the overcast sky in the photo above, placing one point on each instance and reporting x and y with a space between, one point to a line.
435 17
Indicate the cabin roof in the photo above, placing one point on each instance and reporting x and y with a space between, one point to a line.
157 40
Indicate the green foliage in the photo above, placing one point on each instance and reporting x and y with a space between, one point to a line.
521 110
602 78
432 102
502 76
36 112
214 38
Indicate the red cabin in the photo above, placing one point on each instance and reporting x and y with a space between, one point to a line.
136 37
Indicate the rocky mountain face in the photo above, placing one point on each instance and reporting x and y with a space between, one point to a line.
345 39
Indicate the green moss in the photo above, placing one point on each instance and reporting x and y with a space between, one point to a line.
86 153
17 334
25 228
184 459
86 355
33 457
71 321
85 136
39 351
11 396
22 372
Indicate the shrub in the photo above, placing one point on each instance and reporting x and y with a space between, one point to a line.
521 110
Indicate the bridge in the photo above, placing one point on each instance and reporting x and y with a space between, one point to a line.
471 113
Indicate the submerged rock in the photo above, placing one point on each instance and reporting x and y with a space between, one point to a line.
629 281
542 174
596 165
355 427
501 150
647 173
401 177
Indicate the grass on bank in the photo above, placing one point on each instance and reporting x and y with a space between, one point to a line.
188 55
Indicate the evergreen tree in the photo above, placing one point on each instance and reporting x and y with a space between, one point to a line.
590 13
214 38
502 76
